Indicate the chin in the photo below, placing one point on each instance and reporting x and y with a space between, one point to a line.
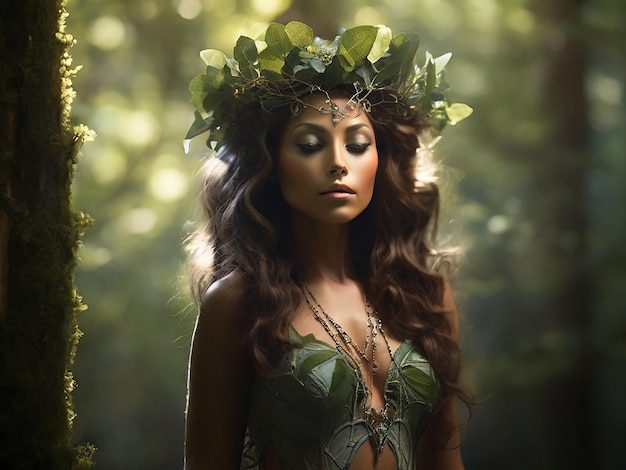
326 218
340 218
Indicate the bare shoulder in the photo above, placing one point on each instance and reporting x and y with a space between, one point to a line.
220 379
220 329
222 297
220 306
221 325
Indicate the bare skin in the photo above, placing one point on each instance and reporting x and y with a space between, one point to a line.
327 176
220 379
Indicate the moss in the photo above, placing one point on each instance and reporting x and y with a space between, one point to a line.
38 323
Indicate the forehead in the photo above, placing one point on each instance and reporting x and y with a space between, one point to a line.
336 112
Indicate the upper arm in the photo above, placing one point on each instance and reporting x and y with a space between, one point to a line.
220 380
439 447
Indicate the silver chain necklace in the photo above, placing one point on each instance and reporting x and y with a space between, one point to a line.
339 335
378 421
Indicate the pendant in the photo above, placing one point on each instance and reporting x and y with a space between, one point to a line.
378 423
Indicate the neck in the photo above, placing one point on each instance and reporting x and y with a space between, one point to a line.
321 251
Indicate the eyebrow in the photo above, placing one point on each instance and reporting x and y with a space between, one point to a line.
324 129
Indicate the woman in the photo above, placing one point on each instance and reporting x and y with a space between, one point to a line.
327 334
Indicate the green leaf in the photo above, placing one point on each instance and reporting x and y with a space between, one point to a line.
442 61
260 45
355 44
381 44
420 381
214 58
292 61
233 65
277 40
199 125
309 341
270 61
315 360
199 88
213 99
396 68
342 384
246 53
366 75
300 34
408 49
457 112
213 78
332 76
431 82
317 65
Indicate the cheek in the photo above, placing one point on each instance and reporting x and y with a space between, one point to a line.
293 178
369 172
290 172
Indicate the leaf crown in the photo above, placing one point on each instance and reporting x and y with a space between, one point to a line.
291 62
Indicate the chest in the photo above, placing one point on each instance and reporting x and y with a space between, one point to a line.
348 327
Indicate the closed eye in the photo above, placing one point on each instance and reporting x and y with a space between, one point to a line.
358 147
310 147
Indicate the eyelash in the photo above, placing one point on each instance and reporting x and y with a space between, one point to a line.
358 148
310 147
313 147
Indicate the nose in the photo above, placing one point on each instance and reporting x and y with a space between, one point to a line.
337 164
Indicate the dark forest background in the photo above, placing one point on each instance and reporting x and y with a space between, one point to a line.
537 181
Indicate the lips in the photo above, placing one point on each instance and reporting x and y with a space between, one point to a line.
338 188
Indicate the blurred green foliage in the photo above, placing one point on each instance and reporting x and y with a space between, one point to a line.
539 211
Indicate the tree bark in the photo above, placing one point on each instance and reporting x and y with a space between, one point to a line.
7 147
564 179
38 239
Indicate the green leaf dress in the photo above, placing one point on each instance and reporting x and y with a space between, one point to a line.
311 412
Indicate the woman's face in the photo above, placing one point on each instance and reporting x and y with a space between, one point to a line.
326 172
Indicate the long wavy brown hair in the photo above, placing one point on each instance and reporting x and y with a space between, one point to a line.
245 228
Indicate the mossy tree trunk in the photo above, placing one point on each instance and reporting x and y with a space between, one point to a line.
39 233
563 181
